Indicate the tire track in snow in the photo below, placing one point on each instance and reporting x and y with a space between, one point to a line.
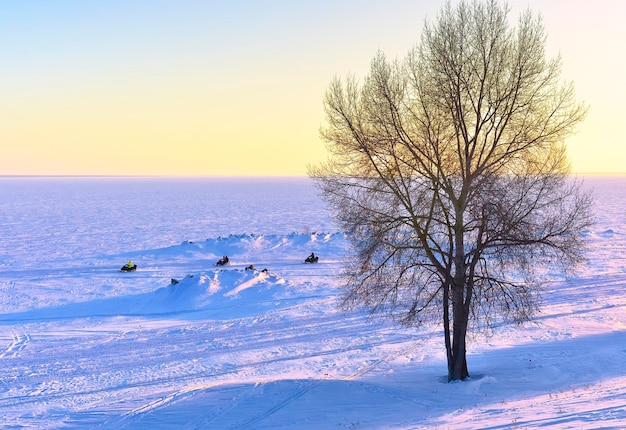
156 404
298 394
198 377
19 342
210 375
199 422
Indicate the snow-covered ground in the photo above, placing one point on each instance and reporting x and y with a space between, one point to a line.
83 345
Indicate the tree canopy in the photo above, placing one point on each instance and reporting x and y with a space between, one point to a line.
448 169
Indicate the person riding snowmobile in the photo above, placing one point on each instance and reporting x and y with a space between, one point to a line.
312 258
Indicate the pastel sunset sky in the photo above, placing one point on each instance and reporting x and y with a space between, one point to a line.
235 88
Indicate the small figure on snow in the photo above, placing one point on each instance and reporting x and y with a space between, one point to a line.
250 267
312 258
129 267
223 261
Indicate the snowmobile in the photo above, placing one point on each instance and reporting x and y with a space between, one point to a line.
312 258
127 268
223 261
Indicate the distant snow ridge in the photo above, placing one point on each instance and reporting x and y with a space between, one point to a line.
251 248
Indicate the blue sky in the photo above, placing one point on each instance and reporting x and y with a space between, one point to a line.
236 87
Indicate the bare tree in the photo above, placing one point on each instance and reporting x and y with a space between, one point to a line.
449 172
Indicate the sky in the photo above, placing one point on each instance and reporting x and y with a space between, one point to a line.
235 88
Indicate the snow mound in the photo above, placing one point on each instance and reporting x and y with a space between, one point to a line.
228 291
218 289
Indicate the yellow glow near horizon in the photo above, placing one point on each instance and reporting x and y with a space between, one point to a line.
226 90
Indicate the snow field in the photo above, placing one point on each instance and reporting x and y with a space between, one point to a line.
83 345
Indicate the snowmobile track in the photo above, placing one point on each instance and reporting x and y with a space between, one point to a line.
298 394
19 342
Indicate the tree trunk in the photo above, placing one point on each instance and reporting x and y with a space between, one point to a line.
457 368
446 327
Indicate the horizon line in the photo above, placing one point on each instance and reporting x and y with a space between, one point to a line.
138 176
152 176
